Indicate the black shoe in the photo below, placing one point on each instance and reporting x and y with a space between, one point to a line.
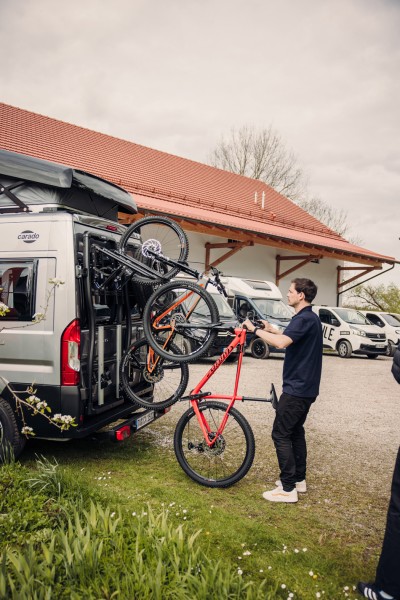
369 590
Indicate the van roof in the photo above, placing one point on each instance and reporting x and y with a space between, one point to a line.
54 175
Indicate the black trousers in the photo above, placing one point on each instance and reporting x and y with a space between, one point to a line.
290 440
388 571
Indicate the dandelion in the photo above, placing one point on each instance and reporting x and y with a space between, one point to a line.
311 573
296 550
304 549
247 553
184 511
261 570
133 514
283 586
112 514
269 568
291 595
239 558
318 595
240 572
346 588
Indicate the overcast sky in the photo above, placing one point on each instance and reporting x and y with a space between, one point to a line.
177 74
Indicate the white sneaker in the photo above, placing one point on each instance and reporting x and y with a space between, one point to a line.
279 495
301 486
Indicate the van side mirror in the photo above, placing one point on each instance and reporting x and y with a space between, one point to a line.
335 323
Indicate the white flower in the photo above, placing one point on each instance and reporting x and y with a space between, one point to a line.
283 586
112 514
346 588
304 549
247 553
4 309
311 573
261 570
56 281
27 430
296 550
318 595
240 572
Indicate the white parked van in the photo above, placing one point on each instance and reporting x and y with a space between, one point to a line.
349 332
52 219
389 324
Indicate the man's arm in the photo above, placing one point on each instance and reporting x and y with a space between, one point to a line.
270 335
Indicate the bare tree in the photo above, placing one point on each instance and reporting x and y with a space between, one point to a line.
334 218
263 155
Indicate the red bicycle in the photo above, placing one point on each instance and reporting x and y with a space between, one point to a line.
213 442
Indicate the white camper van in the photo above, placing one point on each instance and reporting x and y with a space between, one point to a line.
264 299
349 332
51 219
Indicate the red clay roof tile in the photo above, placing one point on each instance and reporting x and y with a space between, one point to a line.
189 188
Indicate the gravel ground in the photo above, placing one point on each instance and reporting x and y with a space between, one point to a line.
353 429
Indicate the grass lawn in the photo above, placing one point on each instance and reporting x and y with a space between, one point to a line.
318 547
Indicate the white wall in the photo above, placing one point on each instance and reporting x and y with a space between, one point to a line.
259 262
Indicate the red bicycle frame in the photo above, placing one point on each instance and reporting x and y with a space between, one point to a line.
196 394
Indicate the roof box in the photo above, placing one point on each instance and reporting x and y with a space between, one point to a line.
29 184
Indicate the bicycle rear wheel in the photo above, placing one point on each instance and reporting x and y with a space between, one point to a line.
160 235
149 380
228 460
180 315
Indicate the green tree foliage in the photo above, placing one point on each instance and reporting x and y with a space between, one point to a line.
385 298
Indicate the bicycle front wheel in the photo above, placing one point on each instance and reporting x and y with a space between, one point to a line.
230 457
149 380
180 315
158 235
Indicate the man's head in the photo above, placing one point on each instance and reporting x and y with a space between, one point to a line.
301 292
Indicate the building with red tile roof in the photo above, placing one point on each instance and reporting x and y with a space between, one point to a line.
227 212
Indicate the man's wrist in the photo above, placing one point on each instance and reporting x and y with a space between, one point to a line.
255 330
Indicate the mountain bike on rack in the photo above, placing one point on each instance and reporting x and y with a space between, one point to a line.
213 442
179 319
173 311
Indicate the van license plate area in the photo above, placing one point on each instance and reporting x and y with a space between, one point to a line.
380 345
144 420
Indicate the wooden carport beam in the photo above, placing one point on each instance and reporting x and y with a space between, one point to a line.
303 261
364 270
235 247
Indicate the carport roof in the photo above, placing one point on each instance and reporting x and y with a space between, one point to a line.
202 197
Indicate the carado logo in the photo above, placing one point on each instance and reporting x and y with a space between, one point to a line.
28 237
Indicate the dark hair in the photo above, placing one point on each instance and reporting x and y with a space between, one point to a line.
306 286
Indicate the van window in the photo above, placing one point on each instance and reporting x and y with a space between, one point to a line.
326 316
349 315
375 320
17 289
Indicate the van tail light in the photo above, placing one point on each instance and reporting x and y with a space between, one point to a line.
71 353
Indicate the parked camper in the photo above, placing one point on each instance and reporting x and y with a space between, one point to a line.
389 324
264 300
349 332
51 216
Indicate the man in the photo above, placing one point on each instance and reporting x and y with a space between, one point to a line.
387 580
302 366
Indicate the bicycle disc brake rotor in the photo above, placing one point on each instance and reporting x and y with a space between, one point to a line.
219 445
154 377
150 247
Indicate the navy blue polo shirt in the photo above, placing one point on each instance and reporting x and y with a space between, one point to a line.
303 359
